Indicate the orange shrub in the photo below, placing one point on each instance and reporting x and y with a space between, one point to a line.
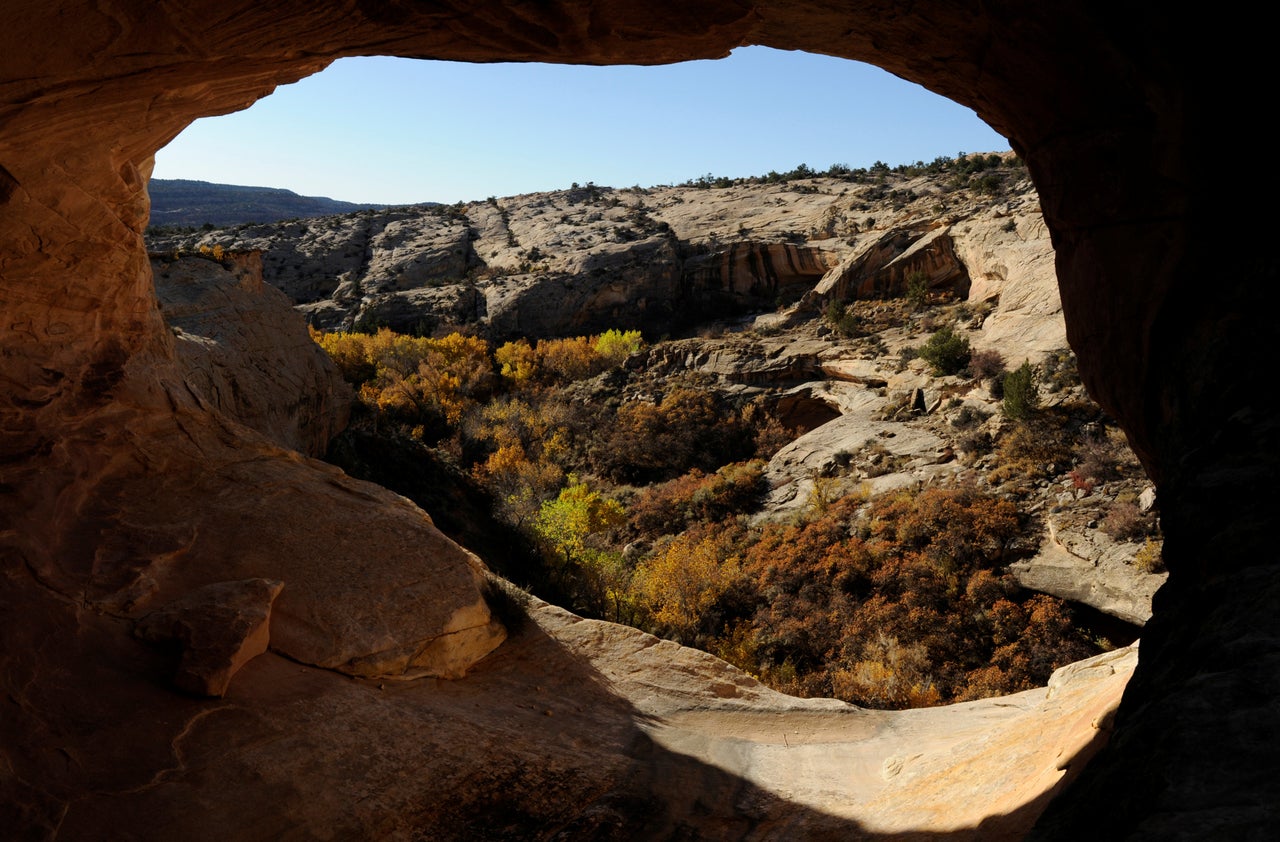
918 613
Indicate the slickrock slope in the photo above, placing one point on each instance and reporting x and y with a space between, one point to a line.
248 354
593 258
121 492
576 729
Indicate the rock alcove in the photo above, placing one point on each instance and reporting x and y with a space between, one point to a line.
122 492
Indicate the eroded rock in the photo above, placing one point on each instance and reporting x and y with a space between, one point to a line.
247 352
219 628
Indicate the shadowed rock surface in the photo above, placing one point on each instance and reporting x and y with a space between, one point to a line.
122 490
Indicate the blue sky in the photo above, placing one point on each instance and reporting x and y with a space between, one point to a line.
399 131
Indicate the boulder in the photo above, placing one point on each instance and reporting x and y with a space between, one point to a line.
219 628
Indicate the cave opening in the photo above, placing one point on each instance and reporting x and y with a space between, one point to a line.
875 460
114 211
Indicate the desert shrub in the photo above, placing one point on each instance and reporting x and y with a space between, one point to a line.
889 675
1150 559
915 609
1059 371
988 184
946 351
217 252
917 290
769 434
987 364
842 319
670 507
968 417
1096 459
1124 521
508 602
1034 450
976 442
1020 394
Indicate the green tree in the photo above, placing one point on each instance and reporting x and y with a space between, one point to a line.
1021 397
946 351
565 524
917 290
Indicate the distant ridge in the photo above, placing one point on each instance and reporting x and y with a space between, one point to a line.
183 202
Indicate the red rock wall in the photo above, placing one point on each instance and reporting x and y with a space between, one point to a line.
1110 107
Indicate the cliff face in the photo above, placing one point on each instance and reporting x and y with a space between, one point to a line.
121 492
590 259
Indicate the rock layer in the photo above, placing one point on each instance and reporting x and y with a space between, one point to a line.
119 486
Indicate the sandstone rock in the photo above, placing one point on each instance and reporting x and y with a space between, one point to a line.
1089 568
773 361
859 431
588 259
1113 132
1014 269
219 628
247 353
756 270
573 724
881 263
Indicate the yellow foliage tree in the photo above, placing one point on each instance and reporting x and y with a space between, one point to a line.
565 524
413 378
518 362
614 346
685 578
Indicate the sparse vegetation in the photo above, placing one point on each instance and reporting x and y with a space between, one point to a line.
1150 558
987 364
1124 521
917 290
842 319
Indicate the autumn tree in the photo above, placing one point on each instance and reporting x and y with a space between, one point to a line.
688 428
614 346
568 529
423 383
681 582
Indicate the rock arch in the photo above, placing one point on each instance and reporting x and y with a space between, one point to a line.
1107 106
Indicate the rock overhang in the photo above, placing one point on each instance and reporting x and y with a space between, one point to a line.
1098 105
